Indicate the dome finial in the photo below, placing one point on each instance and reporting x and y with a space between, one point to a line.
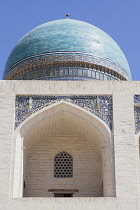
67 15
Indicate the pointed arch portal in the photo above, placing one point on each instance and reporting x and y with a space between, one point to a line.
63 126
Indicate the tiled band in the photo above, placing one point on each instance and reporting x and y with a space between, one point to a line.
101 106
39 63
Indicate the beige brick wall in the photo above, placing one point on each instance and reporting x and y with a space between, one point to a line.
87 167
125 159
71 204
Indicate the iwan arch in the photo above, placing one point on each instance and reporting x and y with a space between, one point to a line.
57 128
70 127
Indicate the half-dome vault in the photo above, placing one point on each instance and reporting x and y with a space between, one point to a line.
67 50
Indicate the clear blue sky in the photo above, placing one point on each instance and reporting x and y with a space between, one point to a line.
119 18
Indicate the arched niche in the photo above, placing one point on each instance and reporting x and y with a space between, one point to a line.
78 132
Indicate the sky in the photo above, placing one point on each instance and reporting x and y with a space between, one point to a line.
118 18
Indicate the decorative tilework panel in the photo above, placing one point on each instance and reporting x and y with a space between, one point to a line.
101 106
137 113
66 73
137 99
47 59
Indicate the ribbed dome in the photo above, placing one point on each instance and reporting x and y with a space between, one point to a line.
68 37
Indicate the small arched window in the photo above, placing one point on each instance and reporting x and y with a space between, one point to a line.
63 165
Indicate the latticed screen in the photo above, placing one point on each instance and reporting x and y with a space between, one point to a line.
63 165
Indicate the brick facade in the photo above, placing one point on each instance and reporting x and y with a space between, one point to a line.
115 155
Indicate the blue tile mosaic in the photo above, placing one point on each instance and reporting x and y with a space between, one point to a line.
67 73
69 37
45 66
101 106
137 99
137 112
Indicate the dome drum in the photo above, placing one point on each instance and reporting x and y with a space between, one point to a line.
66 67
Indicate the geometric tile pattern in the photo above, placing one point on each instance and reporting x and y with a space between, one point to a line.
67 73
37 68
137 113
99 105
63 165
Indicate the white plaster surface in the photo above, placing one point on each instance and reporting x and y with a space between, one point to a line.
125 159
70 204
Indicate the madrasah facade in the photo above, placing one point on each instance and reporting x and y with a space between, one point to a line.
70 122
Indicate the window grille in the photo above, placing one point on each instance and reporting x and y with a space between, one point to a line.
63 165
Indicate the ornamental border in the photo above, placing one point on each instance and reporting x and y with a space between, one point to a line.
137 113
65 57
99 105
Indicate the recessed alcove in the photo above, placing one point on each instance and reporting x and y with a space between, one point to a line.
64 127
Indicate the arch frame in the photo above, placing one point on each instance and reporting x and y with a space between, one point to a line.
19 145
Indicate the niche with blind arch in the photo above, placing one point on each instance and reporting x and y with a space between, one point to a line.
38 173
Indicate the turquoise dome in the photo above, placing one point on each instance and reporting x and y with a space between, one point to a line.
67 36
